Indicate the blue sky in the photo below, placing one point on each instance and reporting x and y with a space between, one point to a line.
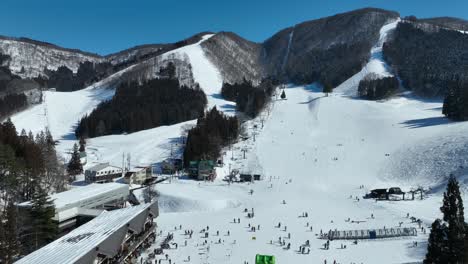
104 26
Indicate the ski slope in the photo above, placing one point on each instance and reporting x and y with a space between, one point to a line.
65 109
313 152
376 64
297 148
154 145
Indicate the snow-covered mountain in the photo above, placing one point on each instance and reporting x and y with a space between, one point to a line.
317 154
30 58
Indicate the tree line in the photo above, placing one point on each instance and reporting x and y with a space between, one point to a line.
213 131
11 104
374 88
29 170
427 61
249 99
136 107
63 79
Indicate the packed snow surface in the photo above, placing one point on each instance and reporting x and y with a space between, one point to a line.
313 151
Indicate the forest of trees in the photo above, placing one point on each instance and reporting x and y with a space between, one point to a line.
448 241
63 79
29 170
331 66
9 102
211 134
426 62
377 88
456 100
137 107
12 103
249 99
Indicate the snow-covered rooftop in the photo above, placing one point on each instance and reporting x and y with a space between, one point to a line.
80 194
79 246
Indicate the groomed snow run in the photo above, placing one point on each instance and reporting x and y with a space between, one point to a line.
376 64
314 152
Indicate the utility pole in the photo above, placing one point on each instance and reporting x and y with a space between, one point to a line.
230 174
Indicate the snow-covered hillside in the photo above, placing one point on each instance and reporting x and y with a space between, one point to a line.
64 110
29 59
313 152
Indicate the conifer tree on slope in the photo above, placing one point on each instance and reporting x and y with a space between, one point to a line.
452 209
437 246
10 243
74 166
447 240
327 88
42 229
283 95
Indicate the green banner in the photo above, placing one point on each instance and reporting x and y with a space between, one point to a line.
264 259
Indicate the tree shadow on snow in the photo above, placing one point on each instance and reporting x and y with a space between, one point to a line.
311 100
417 252
426 122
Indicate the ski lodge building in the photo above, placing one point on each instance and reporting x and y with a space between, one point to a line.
103 172
138 175
81 204
112 237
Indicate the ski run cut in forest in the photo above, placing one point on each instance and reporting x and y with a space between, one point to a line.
337 140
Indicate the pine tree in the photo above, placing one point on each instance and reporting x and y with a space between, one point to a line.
447 239
437 244
327 88
74 166
3 248
42 229
82 144
10 230
451 105
452 209
283 95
